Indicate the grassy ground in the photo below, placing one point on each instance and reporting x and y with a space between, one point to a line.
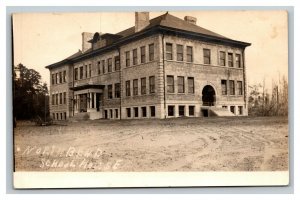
186 144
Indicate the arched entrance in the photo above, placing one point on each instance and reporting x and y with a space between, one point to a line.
208 96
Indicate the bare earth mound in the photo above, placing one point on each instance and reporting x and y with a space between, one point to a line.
186 144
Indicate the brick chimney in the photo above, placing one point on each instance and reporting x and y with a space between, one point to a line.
190 19
141 20
85 38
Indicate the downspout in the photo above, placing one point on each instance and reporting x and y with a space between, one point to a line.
119 51
245 81
164 74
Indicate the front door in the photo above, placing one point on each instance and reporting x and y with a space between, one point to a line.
83 102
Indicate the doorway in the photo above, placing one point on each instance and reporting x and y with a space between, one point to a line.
208 96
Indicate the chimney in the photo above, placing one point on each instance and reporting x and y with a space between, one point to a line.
85 38
141 20
190 19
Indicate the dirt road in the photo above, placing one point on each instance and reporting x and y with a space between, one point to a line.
187 144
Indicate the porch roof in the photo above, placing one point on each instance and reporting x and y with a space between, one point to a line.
87 86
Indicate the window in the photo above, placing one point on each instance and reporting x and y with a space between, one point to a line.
240 108
135 87
232 109
92 98
143 85
224 107
179 52
143 54
76 74
81 72
128 110
239 87
134 56
60 77
57 78
151 52
90 70
116 113
127 58
109 65
224 87
222 58
169 54
103 66
206 56
57 116
181 110
117 63
152 111
53 115
152 84
65 115
238 60
111 113
98 66
230 60
109 92
61 116
231 86
189 54
65 97
191 110
52 99
117 90
60 98
57 102
170 84
144 111
180 82
191 89
171 110
127 88
53 79
136 111
86 71
65 76
105 114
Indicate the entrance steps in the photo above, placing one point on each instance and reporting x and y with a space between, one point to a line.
220 112
80 117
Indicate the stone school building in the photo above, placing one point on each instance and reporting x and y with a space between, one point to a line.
160 68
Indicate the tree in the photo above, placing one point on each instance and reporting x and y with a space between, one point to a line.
262 103
30 95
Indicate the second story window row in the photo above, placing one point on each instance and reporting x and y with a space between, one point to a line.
59 77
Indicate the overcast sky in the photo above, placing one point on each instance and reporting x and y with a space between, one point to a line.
44 38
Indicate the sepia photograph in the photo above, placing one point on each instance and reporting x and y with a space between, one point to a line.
151 93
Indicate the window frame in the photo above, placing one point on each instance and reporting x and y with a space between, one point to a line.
206 55
231 87
143 54
152 84
127 88
189 55
151 52
222 58
110 91
191 86
170 86
179 52
117 90
180 85
134 57
224 87
127 58
239 87
143 86
169 53
109 65
117 63
230 59
135 86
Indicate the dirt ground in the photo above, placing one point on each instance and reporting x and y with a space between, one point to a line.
186 144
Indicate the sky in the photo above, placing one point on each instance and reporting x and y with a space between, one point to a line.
41 39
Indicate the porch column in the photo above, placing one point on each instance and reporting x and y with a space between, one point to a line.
94 100
90 95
